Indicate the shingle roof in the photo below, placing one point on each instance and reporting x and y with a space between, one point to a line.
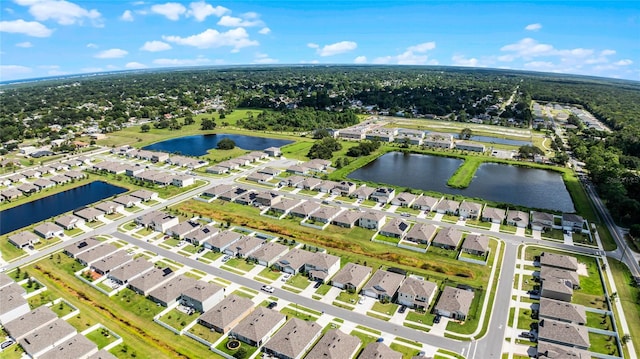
171 290
30 321
493 213
571 334
131 269
46 336
383 282
455 300
76 347
334 345
202 291
418 288
82 246
559 261
151 279
293 338
553 351
353 274
257 324
421 232
227 311
448 236
476 242
564 311
379 351
269 251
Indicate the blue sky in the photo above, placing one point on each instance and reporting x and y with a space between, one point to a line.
57 37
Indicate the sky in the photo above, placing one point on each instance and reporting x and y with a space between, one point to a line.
40 38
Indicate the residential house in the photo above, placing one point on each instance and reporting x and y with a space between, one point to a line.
346 219
89 214
447 206
470 210
310 183
476 244
244 246
60 179
329 187
169 293
379 351
351 277
30 321
102 354
362 193
293 181
259 177
404 199
75 175
149 281
294 261
493 215
561 333
438 140
221 241
383 194
27 188
246 198
560 261
202 296
382 134
227 313
556 288
383 285
572 222
273 151
322 266
109 207
180 230
541 221
44 338
43 183
372 220
95 253
183 180
159 157
454 303
111 261
345 188
77 346
325 214
293 340
548 350
23 239
258 326
217 170
413 137
268 253
32 173
49 230
158 221
218 190
201 235
304 209
416 293
232 194
69 222
12 303
10 194
268 198
421 233
447 238
335 344
127 200
518 218
562 311
550 273
145 195
73 249
470 146
396 228
298 169
130 270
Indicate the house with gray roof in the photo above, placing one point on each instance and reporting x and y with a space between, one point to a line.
447 238
182 229
396 228
425 203
322 266
518 218
12 303
493 215
69 222
294 261
551 273
105 265
351 277
43 183
284 205
268 198
102 354
150 280
269 253
454 303
270 171
335 344
325 214
244 246
421 233
548 350
201 235
438 140
346 219
23 239
169 292
558 261
293 340
379 351
60 179
477 244
362 193
344 188
130 270
49 230
541 221
559 289
383 285
258 326
145 195
404 199
372 220
222 240
227 313
469 210
232 194
128 200
447 206
572 222
73 249
383 194
109 207
27 323
202 296
158 221
10 194
310 183
330 187
44 338
89 214
561 333
562 311
416 293
77 346
304 209
90 256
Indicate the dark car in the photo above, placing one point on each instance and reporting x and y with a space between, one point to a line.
402 309
272 305
379 340
436 319
6 344
317 285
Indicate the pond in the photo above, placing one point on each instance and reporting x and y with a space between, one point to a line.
198 145
529 187
56 204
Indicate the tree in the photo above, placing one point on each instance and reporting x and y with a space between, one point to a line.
226 144
189 120
145 127
465 134
324 148
207 124
528 151
241 353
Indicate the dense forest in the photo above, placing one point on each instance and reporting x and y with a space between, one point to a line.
308 98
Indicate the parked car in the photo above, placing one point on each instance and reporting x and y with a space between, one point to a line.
436 319
402 309
6 344
380 340
361 300
225 258
405 214
272 305
317 285
267 288
286 277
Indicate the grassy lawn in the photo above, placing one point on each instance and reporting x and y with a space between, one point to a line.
291 312
388 308
205 333
129 226
524 319
378 316
347 297
80 322
211 255
411 211
240 264
270 274
178 319
407 353
424 318
144 232
73 232
628 295
324 288
364 338
462 177
242 293
9 251
554 234
298 281
102 337
191 249
603 344
599 321
249 349
40 299
477 223
62 308
386 239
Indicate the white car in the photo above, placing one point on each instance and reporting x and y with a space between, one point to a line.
285 277
267 288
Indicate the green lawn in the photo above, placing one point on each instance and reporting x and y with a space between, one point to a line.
628 295
378 316
524 319
40 299
599 321
178 319
242 293
102 337
388 308
205 333
62 308
249 349
364 338
347 297
9 251
324 288
211 255
407 353
298 281
423 318
291 312
80 322
603 344
270 274
129 226
240 264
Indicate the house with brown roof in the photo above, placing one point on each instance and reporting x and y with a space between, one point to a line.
48 230
73 249
304 209
421 233
89 214
158 221
269 253
222 240
232 194
362 193
351 277
225 315
10 194
553 351
169 292
372 220
383 285
345 188
43 183
562 311
294 261
560 261
476 244
325 214
559 289
258 326
23 239
404 199
541 221
396 228
127 200
201 235
310 183
379 351
293 340
322 266
493 214
90 256
244 246
12 303
346 219
551 273
454 303
447 238
77 346
202 296
518 218
447 206
145 195
60 179
27 323
329 187
284 205
69 221
109 207
44 338
268 198
27 188
470 210
130 270
568 334
181 229
425 203
106 264
416 293
335 344
150 280
383 194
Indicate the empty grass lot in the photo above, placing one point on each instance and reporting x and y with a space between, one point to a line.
102 337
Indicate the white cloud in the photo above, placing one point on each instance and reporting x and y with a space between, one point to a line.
61 11
111 54
360 60
135 65
182 62
528 48
127 15
248 20
334 49
625 62
459 60
210 38
92 45
170 10
533 27
11 72
155 46
31 28
264 59
607 52
25 44
264 31
201 10
413 55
